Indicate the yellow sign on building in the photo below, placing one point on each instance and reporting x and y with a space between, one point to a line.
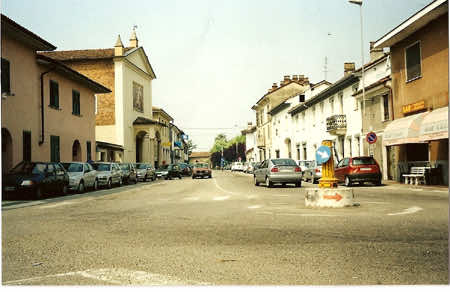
413 107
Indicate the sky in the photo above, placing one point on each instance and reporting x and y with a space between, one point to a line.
215 59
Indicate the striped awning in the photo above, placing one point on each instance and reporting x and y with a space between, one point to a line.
435 125
403 131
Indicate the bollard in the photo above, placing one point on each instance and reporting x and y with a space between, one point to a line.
328 180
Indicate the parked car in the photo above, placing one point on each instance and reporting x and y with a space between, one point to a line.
280 170
251 167
237 166
312 172
128 173
358 169
305 164
109 174
171 171
36 179
186 169
162 171
201 170
81 176
145 171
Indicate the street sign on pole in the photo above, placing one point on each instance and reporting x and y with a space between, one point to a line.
371 137
323 154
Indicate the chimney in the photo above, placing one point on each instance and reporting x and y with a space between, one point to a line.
133 39
274 86
349 68
118 47
375 53
287 78
294 77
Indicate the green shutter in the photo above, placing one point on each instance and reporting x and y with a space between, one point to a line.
54 94
6 83
54 149
88 150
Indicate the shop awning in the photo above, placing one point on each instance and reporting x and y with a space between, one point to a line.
435 125
403 131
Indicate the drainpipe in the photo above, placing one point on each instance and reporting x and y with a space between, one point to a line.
42 138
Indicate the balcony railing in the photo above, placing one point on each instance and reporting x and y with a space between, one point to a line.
261 141
337 124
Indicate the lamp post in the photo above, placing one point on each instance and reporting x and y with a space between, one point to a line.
360 2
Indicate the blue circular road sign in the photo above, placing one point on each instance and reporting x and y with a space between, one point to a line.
371 137
323 154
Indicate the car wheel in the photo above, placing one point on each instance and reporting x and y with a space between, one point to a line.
255 181
378 183
269 184
81 187
283 184
313 181
95 186
298 184
154 177
210 176
179 177
109 185
193 177
38 193
348 182
120 182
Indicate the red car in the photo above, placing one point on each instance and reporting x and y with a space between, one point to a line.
358 169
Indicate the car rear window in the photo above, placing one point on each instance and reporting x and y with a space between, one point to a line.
102 166
75 167
363 161
124 166
286 162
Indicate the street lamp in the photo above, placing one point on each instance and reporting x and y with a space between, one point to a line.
360 2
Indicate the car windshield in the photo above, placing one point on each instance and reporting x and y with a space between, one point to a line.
73 167
363 160
102 166
124 167
28 168
163 167
201 165
285 162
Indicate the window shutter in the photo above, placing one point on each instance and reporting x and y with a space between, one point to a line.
54 94
54 149
6 86
88 150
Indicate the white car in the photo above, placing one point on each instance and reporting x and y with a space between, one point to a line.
237 166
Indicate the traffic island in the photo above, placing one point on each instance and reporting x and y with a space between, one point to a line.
329 197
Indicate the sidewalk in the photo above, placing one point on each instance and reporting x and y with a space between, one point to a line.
392 183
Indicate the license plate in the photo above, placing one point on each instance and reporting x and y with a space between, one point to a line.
10 188
366 168
285 170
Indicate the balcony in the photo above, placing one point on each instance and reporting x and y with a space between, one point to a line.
337 125
261 141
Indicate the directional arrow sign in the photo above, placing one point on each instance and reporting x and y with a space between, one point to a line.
336 197
323 154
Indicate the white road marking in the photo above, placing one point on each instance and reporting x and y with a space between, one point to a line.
119 277
222 198
220 188
407 211
58 205
192 198
254 207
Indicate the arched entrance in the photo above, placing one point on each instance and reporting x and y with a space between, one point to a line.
140 146
76 151
7 151
157 149
289 147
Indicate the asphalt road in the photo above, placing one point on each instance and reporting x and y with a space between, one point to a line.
226 231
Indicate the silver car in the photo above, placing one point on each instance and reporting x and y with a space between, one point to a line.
109 174
145 171
81 176
279 170
313 173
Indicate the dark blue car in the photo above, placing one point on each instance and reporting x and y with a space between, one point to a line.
36 179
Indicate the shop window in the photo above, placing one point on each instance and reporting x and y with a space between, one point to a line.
413 65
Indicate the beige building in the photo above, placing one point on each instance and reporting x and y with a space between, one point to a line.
202 157
163 141
418 133
121 130
47 108
274 97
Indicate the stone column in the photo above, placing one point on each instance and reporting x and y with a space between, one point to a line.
146 157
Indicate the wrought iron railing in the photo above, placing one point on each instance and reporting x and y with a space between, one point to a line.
336 122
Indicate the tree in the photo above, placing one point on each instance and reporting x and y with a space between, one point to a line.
220 143
191 146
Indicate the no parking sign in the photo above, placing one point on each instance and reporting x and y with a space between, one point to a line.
371 137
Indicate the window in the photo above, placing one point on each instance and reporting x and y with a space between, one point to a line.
301 98
75 102
26 146
386 107
6 82
54 148
341 103
277 153
413 66
88 150
54 94
332 105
